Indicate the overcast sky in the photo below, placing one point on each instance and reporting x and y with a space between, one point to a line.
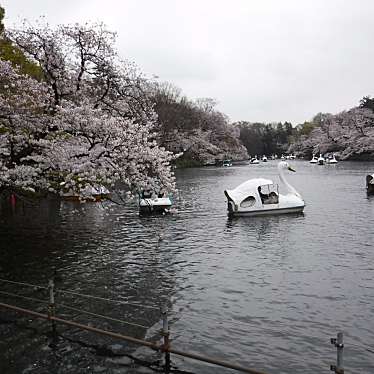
262 60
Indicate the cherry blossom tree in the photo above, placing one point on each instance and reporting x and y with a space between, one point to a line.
88 122
349 133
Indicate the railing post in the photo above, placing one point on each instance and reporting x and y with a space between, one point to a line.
166 335
338 342
51 307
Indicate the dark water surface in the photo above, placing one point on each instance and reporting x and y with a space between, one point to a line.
267 293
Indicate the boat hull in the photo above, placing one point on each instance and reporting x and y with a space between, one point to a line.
264 212
155 209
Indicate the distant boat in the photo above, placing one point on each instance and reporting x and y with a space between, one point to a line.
254 160
332 160
211 162
264 158
321 160
370 184
226 163
314 160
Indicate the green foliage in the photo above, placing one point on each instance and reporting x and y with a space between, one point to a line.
2 13
260 138
306 128
367 102
11 53
184 162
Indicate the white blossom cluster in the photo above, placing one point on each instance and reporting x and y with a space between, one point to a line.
87 123
350 134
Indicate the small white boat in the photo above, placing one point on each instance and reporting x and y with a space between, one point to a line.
314 160
261 196
283 157
93 193
254 160
264 158
226 163
332 160
150 203
321 160
370 184
292 157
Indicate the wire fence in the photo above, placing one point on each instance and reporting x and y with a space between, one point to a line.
162 310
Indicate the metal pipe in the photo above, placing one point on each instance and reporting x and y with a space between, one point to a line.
339 355
166 334
215 361
83 327
130 339
51 308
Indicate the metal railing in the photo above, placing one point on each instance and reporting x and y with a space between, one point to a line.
165 348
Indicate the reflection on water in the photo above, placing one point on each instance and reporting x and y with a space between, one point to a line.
265 292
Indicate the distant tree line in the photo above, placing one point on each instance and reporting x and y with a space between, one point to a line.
349 134
265 139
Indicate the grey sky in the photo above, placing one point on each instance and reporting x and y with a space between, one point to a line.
262 60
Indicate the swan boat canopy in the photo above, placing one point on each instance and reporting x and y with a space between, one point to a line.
370 184
150 203
261 196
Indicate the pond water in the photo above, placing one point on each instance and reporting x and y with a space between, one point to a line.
267 293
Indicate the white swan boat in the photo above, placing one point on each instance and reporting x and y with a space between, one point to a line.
261 196
314 160
264 158
370 184
332 160
150 203
254 160
321 160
